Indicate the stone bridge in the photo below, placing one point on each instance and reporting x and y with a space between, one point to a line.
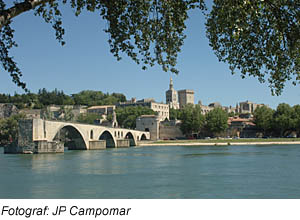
44 136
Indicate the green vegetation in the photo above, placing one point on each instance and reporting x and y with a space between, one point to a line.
216 121
91 98
242 140
192 120
44 98
194 123
256 38
88 118
283 118
280 122
127 116
9 129
263 117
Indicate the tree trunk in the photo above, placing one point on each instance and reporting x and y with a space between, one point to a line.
8 14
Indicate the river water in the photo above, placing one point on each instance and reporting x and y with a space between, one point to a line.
268 171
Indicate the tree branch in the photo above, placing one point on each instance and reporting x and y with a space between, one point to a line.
18 8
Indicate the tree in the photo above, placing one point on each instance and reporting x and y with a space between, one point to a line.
257 37
283 118
216 121
66 113
175 114
147 31
127 116
90 98
263 118
296 118
192 119
9 129
88 118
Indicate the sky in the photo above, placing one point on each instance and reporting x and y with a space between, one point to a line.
85 63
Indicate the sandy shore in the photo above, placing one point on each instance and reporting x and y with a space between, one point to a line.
218 144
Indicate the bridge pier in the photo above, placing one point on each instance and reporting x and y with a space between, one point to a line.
123 143
97 145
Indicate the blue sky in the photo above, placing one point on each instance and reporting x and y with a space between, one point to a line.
85 63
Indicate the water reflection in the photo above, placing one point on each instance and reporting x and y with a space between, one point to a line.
155 172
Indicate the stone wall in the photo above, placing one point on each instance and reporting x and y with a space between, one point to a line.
97 145
170 132
48 147
149 123
123 143
25 137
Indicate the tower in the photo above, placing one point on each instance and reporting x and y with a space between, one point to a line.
186 96
171 96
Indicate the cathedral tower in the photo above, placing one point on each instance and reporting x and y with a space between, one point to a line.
171 96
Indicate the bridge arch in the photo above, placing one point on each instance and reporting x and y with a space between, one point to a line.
130 137
108 137
71 136
143 137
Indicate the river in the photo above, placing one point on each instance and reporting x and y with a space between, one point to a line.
265 171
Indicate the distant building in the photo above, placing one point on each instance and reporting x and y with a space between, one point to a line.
163 130
241 127
215 105
230 109
204 108
185 97
149 123
248 107
160 108
171 96
102 109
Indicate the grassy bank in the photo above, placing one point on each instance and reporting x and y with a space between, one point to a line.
241 141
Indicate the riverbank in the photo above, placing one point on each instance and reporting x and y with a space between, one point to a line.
218 142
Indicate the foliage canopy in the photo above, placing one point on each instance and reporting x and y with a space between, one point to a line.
263 118
44 98
126 116
192 119
258 38
216 121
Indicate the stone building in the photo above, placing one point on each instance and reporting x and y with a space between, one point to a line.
248 107
149 123
204 108
185 97
102 109
241 127
160 108
159 130
171 96
207 108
